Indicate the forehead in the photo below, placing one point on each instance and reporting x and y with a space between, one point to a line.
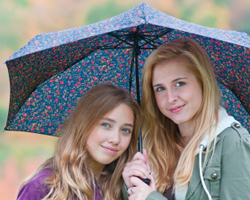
170 68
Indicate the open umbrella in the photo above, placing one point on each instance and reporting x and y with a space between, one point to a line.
53 70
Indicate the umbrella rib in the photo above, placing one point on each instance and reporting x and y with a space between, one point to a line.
148 48
108 48
148 41
143 37
122 40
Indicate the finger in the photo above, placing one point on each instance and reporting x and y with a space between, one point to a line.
146 157
136 181
137 162
139 183
135 172
152 182
138 172
131 191
140 191
136 168
139 156
147 163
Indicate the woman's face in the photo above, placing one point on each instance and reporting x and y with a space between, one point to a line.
111 136
177 91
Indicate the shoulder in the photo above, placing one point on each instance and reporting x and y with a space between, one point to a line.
36 188
233 137
235 128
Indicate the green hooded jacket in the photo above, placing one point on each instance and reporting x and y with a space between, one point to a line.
227 174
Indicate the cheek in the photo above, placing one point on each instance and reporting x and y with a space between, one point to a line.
159 101
94 138
126 142
157 98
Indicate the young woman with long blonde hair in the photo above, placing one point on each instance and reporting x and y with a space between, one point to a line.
194 149
98 138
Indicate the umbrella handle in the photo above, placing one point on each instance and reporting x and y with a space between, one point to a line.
147 181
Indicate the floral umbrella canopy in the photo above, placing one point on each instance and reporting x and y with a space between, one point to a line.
53 70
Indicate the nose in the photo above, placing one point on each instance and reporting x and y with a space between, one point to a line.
171 96
114 137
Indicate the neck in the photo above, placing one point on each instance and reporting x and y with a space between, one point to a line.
97 176
96 168
186 131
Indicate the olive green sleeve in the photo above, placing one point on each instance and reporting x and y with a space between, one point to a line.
152 196
155 196
235 171
124 192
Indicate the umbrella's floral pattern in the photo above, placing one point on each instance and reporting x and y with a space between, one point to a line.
52 71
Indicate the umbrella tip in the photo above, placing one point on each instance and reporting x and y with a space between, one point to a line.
144 4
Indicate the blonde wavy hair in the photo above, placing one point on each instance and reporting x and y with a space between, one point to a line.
171 161
71 176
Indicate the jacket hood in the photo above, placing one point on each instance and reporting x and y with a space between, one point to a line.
224 122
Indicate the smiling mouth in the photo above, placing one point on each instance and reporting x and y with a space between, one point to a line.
110 150
176 109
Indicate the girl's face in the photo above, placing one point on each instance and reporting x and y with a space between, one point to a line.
111 136
177 91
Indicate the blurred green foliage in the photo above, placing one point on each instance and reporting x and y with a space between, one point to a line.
3 117
223 2
243 24
10 36
188 13
22 3
22 150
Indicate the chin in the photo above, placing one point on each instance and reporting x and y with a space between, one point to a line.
178 121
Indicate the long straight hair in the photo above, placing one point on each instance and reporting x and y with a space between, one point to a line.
171 162
71 175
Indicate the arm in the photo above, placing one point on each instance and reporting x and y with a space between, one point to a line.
35 189
235 177
31 191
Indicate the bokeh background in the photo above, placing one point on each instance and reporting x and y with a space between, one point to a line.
20 20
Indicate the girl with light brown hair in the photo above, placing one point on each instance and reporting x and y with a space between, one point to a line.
193 148
98 138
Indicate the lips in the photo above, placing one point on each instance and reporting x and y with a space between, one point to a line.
110 149
176 109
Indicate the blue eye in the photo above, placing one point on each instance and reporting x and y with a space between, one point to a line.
179 84
159 89
127 130
105 125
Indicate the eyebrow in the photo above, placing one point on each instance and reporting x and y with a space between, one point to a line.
113 121
175 80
